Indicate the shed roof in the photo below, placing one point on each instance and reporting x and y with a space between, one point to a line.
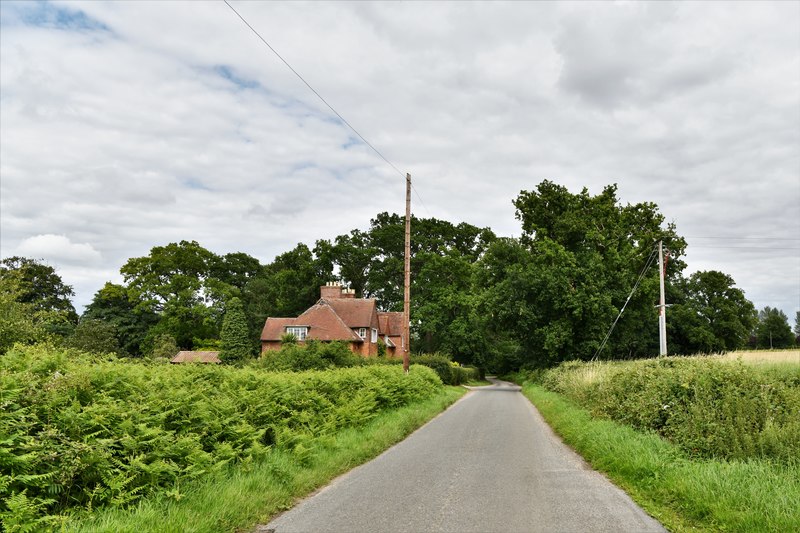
196 357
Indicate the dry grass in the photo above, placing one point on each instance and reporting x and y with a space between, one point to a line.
757 357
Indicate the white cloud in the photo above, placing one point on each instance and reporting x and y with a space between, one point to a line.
58 249
134 125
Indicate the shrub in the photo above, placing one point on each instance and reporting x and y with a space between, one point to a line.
81 432
312 355
235 341
449 372
710 408
164 347
94 336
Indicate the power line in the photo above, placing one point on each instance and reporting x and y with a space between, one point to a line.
747 238
694 247
314 91
633 290
326 103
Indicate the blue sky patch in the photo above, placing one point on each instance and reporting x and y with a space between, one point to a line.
196 184
48 15
242 83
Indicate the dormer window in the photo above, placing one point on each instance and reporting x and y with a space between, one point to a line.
300 332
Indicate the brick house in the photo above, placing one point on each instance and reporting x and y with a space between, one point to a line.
339 316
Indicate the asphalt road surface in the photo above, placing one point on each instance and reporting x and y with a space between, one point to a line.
489 463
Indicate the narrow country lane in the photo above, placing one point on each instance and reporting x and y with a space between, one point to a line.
489 463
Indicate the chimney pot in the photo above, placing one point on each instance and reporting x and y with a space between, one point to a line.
330 290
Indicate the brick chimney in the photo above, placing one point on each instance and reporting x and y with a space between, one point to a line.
348 293
330 291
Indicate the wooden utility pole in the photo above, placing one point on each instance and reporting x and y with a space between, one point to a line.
662 306
407 282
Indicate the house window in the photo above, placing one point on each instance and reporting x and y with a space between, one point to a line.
374 335
362 332
297 331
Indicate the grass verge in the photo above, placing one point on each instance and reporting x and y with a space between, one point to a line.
252 493
683 494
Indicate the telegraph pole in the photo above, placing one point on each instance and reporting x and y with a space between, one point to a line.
662 306
407 281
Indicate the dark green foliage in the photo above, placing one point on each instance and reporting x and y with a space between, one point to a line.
17 320
773 329
36 302
443 258
312 355
449 372
235 339
94 336
187 286
708 407
39 285
113 305
558 289
709 315
79 432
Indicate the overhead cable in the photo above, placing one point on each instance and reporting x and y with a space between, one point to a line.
314 90
649 262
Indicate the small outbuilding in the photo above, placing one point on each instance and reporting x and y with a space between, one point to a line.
196 357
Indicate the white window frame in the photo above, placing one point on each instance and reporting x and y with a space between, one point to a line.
301 332
374 338
362 332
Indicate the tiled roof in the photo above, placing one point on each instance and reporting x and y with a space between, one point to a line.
274 328
322 321
355 312
326 324
391 323
196 357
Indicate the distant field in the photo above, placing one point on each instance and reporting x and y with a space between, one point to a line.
764 356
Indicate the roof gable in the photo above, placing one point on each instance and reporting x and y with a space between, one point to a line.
391 323
325 324
274 328
354 312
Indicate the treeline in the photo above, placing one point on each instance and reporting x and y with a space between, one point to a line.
500 303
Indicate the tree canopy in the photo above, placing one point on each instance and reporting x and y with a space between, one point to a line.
549 295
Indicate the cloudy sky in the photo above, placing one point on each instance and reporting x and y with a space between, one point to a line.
128 125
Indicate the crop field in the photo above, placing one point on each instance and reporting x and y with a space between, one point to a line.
758 357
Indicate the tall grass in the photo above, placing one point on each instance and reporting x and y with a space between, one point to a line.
709 407
684 493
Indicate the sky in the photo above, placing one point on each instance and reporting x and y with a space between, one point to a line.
129 125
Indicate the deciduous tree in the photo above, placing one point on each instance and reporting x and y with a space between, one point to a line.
39 286
712 316
235 337
95 336
773 329
113 305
